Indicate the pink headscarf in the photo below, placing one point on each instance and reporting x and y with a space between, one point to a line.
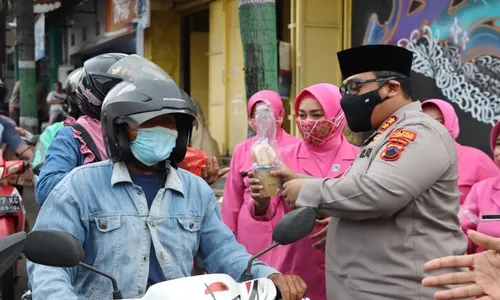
272 98
328 96
494 135
93 127
450 117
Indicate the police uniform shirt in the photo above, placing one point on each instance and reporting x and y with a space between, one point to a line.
394 209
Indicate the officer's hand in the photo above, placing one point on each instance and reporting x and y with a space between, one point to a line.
291 287
320 234
483 279
291 190
284 173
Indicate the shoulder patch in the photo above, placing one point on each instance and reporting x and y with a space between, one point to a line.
403 134
400 141
388 123
392 151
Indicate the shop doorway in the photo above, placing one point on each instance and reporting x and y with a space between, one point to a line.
194 56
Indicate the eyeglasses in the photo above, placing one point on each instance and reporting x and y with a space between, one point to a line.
353 86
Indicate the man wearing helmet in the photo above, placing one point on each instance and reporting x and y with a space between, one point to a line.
137 215
81 142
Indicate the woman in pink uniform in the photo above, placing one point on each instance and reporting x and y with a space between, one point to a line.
323 152
250 233
481 209
473 164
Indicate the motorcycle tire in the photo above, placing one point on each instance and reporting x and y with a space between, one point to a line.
7 284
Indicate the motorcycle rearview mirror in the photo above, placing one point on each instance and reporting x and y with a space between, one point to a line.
60 249
294 226
53 248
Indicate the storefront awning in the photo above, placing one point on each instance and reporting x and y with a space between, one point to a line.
45 6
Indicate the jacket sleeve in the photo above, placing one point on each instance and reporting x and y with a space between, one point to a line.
469 214
388 184
63 156
234 189
60 212
42 146
9 135
220 252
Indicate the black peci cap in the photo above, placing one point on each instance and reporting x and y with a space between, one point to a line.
373 58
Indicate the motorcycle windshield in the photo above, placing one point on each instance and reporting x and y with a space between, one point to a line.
134 67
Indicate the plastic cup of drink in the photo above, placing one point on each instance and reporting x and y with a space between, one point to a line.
269 183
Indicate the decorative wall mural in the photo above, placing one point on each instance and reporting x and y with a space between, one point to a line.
456 43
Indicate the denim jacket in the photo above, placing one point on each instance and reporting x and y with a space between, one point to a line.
63 156
108 214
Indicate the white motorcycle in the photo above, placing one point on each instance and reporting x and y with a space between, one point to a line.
60 249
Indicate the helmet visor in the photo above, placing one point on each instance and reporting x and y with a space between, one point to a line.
136 120
135 67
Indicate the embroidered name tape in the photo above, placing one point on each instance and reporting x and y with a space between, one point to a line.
399 141
403 134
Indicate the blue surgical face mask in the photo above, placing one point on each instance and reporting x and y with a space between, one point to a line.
153 145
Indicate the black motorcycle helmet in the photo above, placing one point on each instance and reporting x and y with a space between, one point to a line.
70 88
96 80
146 93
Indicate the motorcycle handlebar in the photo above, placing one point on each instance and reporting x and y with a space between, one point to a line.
278 295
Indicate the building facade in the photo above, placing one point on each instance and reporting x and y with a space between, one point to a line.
199 44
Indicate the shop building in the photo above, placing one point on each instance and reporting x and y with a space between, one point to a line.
198 42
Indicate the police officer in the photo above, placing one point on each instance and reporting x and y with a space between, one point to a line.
397 206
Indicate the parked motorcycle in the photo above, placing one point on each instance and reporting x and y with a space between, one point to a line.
12 217
60 249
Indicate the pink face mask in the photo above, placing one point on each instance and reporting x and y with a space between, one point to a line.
316 132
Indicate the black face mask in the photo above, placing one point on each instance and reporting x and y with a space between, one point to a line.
358 109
